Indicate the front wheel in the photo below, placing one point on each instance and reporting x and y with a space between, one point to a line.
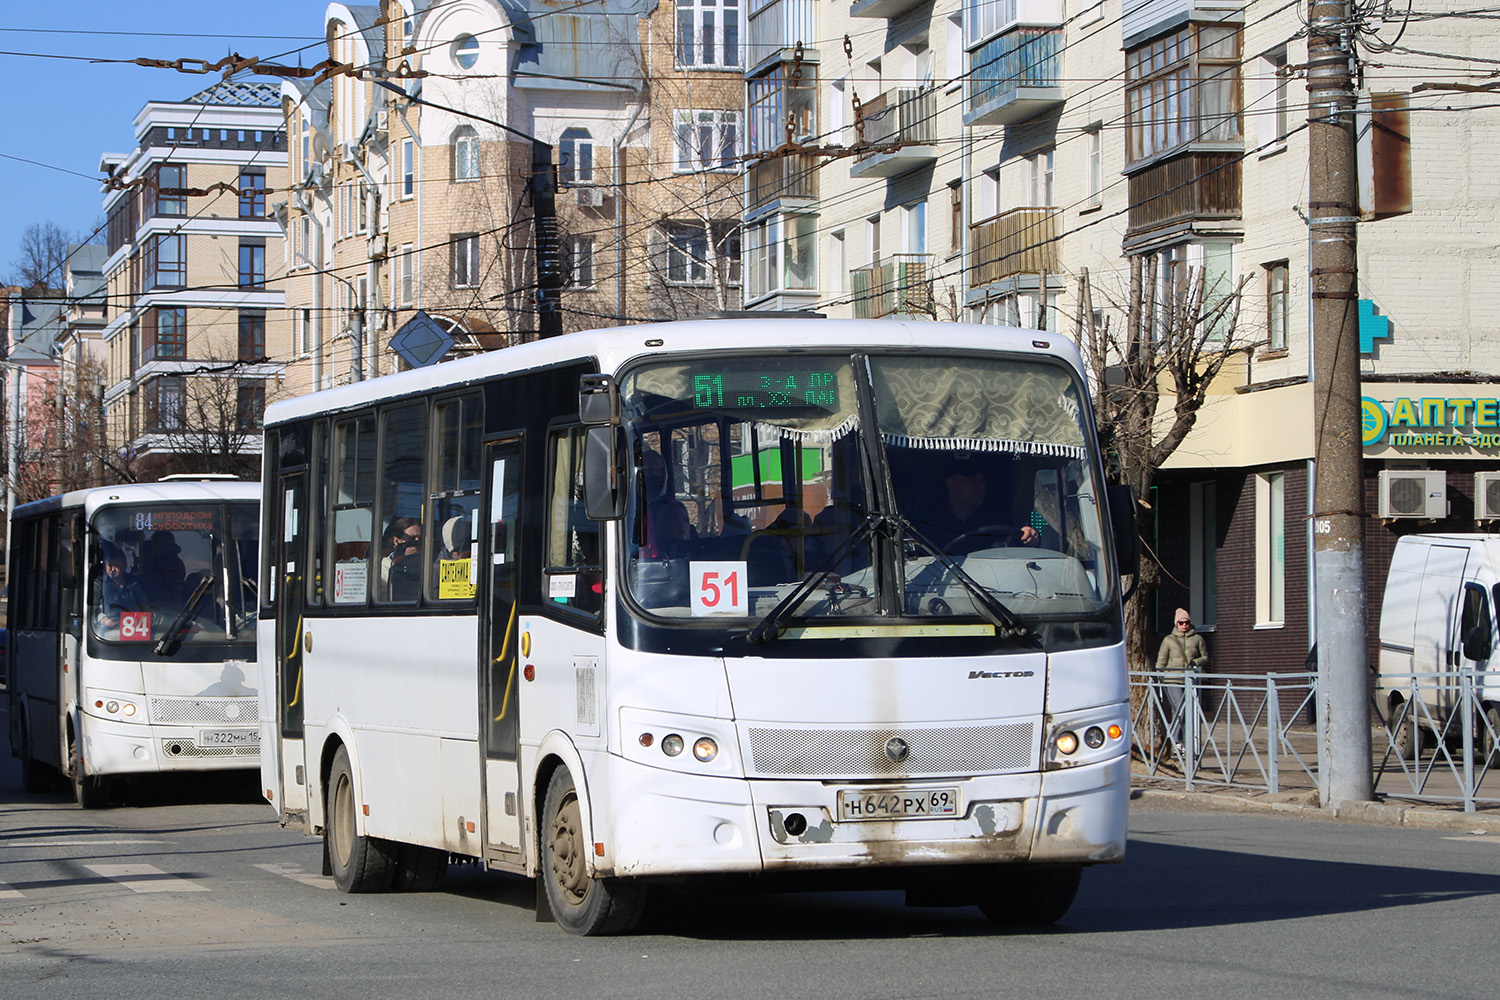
360 863
1030 896
581 903
1405 737
1487 735
90 791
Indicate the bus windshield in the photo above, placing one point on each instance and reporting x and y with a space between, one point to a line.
915 486
173 576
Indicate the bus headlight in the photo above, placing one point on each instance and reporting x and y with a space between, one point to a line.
1094 737
705 749
671 745
1067 743
129 710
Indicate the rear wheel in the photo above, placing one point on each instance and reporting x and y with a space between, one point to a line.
359 863
581 903
1403 732
1030 896
419 869
1486 729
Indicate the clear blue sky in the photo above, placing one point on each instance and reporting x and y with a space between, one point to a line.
62 114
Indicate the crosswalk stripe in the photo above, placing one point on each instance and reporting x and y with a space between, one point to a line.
146 878
6 892
298 875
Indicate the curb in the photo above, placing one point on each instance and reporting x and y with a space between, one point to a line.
1305 806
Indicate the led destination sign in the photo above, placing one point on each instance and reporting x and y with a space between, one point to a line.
774 390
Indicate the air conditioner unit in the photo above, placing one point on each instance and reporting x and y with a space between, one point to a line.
589 197
1419 493
1487 496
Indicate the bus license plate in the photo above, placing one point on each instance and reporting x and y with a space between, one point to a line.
898 803
229 738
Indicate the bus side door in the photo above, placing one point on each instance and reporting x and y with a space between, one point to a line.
499 657
286 544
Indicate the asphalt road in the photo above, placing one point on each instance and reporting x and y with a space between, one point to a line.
193 891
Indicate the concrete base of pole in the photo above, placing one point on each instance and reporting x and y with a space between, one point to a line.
1343 678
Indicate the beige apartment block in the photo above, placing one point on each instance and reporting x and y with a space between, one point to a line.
408 185
197 339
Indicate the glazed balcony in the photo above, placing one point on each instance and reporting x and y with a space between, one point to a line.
775 28
1014 76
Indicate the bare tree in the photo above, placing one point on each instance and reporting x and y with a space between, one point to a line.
208 424
1168 349
44 253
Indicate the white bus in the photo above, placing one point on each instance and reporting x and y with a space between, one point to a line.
692 599
132 618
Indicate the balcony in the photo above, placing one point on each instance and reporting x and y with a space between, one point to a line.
1196 186
792 178
1014 76
904 122
1021 241
777 27
882 8
901 284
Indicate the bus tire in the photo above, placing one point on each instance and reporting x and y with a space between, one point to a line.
36 777
1403 737
1030 896
360 864
419 869
581 903
90 791
1486 729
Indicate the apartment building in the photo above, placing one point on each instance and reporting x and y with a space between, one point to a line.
410 185
197 337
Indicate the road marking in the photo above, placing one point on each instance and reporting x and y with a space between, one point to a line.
146 878
6 892
86 843
1486 838
298 875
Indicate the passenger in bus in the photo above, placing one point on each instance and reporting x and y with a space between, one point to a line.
401 566
455 538
162 569
668 529
119 590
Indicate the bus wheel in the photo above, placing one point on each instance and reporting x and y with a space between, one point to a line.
581 903
91 791
419 869
1030 896
1486 729
1403 737
360 864
36 777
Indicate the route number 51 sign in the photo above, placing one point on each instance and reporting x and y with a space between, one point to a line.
718 588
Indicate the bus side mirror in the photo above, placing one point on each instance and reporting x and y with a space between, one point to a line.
598 400
1122 520
603 479
1477 643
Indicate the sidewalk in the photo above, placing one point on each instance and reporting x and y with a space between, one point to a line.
1303 803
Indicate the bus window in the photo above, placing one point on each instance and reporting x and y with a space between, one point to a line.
353 509
453 508
402 492
316 514
574 571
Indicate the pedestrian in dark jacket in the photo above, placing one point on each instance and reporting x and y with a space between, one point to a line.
1181 651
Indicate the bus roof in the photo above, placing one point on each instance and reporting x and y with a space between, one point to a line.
613 348
136 493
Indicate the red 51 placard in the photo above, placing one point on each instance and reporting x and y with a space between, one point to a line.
135 626
718 588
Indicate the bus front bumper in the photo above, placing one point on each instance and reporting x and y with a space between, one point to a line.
112 747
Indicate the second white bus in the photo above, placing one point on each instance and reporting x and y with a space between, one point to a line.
763 597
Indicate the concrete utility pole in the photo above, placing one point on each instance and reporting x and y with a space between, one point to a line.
1339 507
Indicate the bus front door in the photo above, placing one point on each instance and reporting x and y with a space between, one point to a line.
499 656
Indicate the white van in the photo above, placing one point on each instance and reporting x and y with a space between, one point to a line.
1438 617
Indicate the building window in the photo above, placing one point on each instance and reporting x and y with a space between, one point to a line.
1273 110
838 262
166 262
466 260
465 154
1276 305
955 216
408 168
708 33
304 242
252 335
575 163
170 335
914 228
1175 272
1094 192
304 332
1043 175
466 51
171 181
1181 89
166 403
252 196
408 276
249 405
578 261
1270 548
1203 554
707 140
781 254
687 254
252 264
778 101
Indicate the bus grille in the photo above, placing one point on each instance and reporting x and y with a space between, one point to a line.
201 711
858 753
187 748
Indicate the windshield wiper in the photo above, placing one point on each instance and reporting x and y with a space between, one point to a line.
172 640
769 627
1005 621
